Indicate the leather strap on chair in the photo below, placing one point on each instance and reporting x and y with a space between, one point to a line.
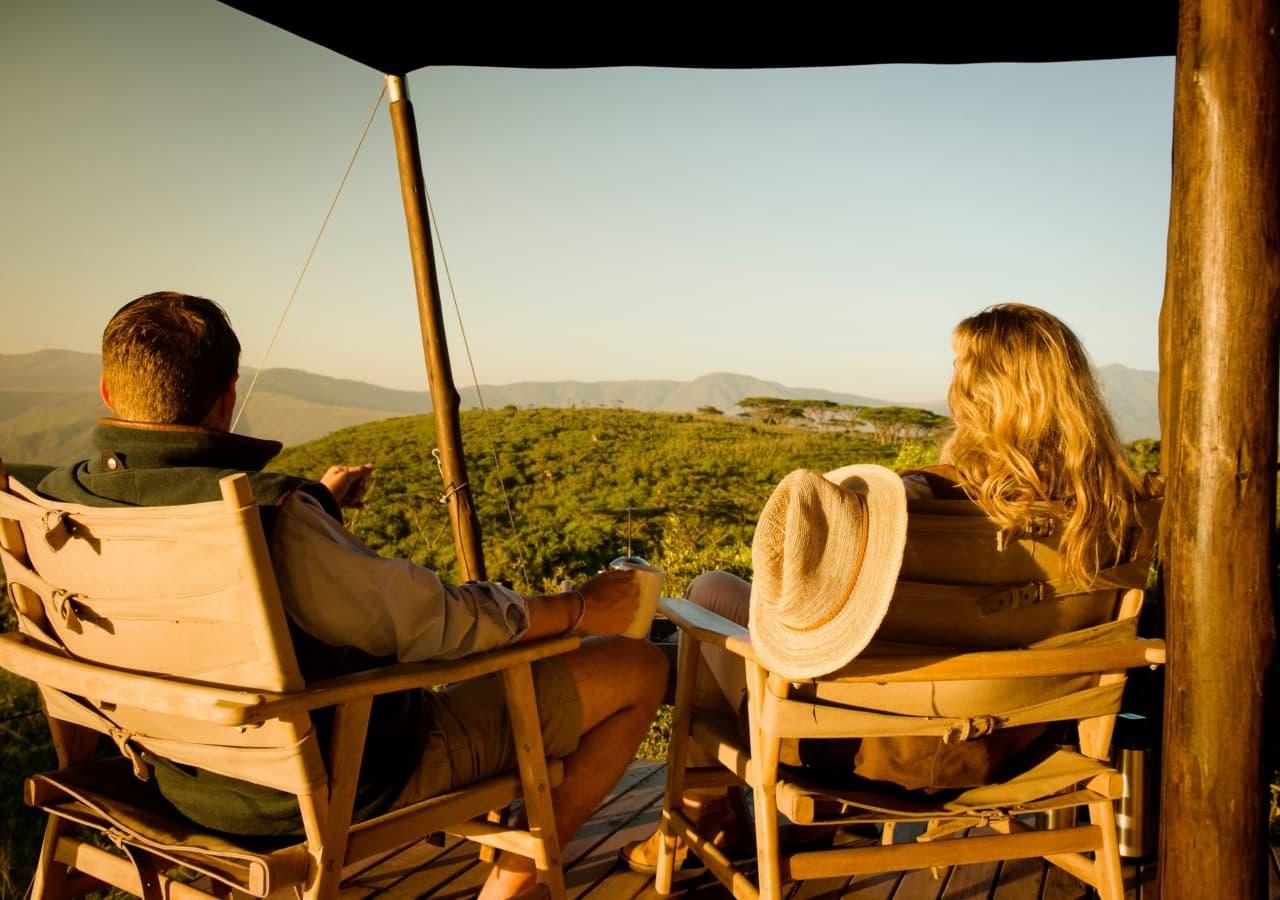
272 765
73 610
124 742
799 719
55 600
53 521
58 527
84 714
1008 597
148 871
940 828
101 796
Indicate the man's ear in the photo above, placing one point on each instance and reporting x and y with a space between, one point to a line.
103 392
223 408
229 395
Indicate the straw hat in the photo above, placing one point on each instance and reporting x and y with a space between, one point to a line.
826 556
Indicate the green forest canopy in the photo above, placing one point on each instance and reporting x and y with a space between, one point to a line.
570 475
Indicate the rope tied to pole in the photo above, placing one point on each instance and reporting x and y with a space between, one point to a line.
475 380
452 490
244 403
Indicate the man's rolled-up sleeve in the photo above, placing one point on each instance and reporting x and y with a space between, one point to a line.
341 592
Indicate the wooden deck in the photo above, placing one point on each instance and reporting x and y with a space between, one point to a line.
631 812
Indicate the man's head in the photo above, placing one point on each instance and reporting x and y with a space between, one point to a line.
170 359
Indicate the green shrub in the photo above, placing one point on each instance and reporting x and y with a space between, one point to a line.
915 455
25 748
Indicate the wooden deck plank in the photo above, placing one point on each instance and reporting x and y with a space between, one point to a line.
1019 879
881 886
972 882
454 871
817 889
631 812
366 880
623 884
439 876
920 884
406 864
1058 885
637 787
630 816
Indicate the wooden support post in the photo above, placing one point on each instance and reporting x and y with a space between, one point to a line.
1218 392
444 396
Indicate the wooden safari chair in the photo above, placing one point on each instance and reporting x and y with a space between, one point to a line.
163 629
979 637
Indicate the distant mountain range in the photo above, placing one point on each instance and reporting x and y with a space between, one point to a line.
49 401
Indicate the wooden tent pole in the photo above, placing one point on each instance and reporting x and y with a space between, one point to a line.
444 396
1218 395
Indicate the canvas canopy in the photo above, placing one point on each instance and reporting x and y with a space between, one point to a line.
398 38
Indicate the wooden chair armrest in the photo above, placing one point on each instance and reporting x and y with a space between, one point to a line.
405 676
704 625
1114 656
227 706
105 685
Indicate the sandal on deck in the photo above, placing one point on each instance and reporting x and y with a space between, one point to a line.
722 819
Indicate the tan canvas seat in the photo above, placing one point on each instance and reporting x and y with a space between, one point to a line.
163 629
983 635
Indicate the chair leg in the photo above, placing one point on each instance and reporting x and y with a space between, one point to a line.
73 744
764 752
314 808
522 706
51 879
677 760
1110 878
346 749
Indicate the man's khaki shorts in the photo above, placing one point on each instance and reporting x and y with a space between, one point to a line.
470 737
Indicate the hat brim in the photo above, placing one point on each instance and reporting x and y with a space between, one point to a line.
839 640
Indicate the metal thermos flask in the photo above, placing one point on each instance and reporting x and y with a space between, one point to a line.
1134 757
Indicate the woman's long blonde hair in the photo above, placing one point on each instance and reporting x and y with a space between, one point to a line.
1031 427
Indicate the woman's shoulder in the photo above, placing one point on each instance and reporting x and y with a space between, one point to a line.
934 482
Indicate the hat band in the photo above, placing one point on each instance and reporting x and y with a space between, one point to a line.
853 578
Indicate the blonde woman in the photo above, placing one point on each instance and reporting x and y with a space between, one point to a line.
1030 428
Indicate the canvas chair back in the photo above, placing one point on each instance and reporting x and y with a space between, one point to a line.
183 592
966 584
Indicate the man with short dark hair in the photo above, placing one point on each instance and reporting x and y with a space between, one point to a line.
170 364
167 358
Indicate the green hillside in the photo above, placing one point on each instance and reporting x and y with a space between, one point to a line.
49 401
695 484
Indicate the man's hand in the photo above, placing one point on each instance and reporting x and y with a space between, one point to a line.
608 604
610 600
348 484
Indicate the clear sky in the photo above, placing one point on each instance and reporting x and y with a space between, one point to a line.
821 227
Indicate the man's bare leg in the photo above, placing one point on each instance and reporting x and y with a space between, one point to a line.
620 683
